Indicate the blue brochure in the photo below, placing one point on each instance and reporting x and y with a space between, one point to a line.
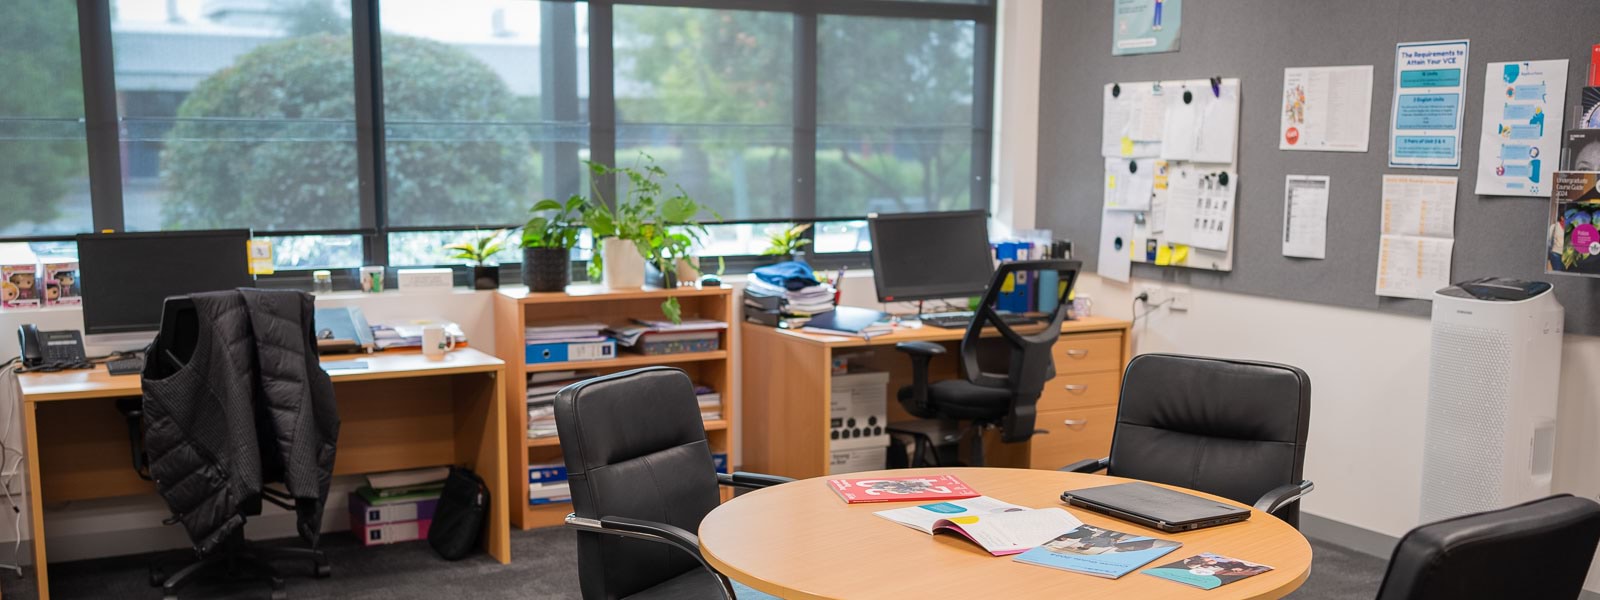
1100 552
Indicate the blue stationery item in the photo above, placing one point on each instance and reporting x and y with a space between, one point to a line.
790 275
1012 295
571 351
1049 290
1100 552
547 473
721 462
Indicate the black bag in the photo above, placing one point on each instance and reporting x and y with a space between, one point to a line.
458 520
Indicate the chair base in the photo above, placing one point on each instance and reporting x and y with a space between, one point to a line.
242 560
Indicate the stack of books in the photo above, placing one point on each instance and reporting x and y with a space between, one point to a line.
710 403
547 484
568 341
772 305
397 506
657 337
542 388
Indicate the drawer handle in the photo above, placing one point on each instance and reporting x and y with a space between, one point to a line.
1075 424
1077 353
1077 388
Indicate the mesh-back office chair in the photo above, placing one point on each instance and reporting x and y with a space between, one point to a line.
1541 549
1233 428
987 400
180 329
642 480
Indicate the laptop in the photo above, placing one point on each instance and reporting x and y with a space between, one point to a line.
1155 507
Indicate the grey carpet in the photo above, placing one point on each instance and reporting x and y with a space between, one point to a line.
544 566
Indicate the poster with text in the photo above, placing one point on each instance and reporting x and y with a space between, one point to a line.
1572 242
1145 26
1430 83
1521 136
1326 109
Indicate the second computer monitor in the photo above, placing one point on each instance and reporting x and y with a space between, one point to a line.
923 256
127 276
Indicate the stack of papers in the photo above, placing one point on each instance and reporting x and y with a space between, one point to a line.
408 334
710 405
566 331
427 480
628 334
542 388
804 301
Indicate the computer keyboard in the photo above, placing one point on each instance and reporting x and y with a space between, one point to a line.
131 365
959 320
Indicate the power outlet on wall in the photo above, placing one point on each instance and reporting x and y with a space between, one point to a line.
15 483
1155 294
1180 299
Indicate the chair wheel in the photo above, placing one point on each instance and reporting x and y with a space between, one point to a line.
324 571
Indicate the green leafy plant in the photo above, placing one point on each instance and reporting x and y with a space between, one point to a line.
788 241
479 250
559 224
663 226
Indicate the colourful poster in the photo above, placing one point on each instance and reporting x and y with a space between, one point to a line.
1430 82
1145 26
1522 119
1572 243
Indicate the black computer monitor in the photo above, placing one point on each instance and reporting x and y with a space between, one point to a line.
922 256
126 276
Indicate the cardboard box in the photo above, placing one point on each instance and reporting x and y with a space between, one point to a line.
858 411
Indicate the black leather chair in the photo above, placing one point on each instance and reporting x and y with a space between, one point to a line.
642 480
1233 428
987 399
1541 549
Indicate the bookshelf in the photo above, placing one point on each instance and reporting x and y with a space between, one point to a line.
515 309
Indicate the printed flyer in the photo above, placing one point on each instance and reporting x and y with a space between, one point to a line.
1572 241
1145 26
1521 135
1430 82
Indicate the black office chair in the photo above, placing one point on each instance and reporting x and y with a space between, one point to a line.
1541 549
1233 428
239 557
987 400
642 480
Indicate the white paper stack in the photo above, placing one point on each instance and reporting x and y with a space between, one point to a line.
807 300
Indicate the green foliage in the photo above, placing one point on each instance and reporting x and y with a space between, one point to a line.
788 241
219 181
559 227
39 57
479 250
664 226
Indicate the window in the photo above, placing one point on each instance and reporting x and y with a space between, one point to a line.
894 114
374 132
236 114
484 106
44 172
709 95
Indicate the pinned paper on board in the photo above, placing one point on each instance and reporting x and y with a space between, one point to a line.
1305 216
1116 237
1418 231
1129 183
1326 108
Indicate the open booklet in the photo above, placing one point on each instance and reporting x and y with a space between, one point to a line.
999 527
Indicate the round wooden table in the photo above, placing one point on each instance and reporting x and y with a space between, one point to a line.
800 540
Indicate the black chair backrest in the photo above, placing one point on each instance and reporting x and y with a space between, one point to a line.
1031 364
635 447
1541 549
1233 428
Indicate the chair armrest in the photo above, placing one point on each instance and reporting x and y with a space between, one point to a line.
1088 465
928 349
753 481
1283 495
653 531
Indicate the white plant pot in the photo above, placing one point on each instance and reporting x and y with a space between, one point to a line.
623 268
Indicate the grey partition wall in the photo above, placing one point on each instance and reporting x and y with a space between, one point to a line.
1256 40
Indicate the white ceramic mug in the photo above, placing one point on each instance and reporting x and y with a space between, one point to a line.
435 342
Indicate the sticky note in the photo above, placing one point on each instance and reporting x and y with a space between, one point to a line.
1111 182
1164 255
1180 254
1127 146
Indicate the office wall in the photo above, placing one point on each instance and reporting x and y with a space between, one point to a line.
1255 40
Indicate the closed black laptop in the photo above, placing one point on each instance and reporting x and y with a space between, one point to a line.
1155 507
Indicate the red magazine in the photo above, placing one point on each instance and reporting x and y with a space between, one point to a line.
901 489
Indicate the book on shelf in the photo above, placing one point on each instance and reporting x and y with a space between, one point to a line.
1001 528
365 512
901 489
1100 552
851 320
373 499
1207 571
560 329
539 352
547 484
548 376
407 478
709 415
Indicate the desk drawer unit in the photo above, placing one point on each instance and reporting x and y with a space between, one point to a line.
1074 390
1074 435
1088 353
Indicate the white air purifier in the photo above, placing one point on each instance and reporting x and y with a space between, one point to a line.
1494 370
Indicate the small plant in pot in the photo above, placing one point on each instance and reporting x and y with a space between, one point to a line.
479 252
547 242
788 243
663 230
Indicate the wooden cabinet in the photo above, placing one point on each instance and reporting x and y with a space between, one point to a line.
515 309
786 378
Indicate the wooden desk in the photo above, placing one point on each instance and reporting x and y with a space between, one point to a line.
787 380
403 411
799 540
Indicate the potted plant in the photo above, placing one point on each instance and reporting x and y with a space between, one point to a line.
660 231
790 242
547 242
485 275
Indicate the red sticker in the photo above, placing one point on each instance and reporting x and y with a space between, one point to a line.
1292 136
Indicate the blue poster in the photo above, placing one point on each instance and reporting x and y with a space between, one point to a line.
1145 26
1425 126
